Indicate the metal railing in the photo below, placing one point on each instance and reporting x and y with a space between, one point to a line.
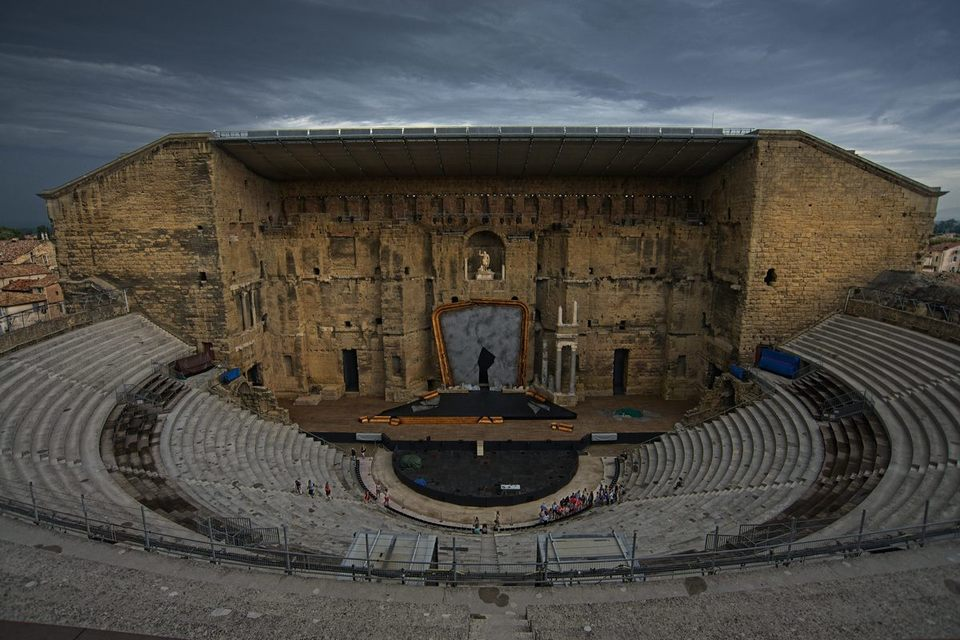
280 555
917 306
22 319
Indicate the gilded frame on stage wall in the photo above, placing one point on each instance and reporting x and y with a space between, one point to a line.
445 371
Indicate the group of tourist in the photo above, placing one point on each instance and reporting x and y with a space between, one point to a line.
313 488
380 497
577 502
482 528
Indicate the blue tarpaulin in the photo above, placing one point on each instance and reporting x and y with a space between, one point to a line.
229 375
738 372
779 362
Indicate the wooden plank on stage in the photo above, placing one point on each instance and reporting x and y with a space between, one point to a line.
402 420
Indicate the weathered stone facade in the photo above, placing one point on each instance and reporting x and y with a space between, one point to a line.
307 277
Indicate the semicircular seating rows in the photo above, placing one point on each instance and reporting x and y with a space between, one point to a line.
912 381
54 399
749 465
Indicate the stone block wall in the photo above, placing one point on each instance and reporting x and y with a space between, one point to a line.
283 277
822 222
146 223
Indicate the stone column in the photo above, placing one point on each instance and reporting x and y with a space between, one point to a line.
558 367
544 363
244 313
573 369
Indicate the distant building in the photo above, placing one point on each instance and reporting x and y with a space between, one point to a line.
33 251
944 257
29 285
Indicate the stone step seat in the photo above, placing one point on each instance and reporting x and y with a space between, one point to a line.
761 457
658 455
691 453
786 450
62 438
851 340
304 456
708 456
780 467
52 354
805 451
346 475
908 368
670 516
825 347
816 390
648 467
665 475
925 410
79 440
760 474
919 422
849 371
282 447
923 349
929 468
948 395
673 452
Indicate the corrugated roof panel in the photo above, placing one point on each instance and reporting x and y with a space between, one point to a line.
394 154
425 157
571 155
600 155
483 157
512 157
365 154
453 154
338 158
541 157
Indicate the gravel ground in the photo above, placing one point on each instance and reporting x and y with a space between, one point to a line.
41 585
922 603
51 578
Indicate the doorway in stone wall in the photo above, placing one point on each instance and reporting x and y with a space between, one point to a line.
351 372
620 357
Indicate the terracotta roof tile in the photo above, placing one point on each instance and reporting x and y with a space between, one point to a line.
13 298
29 285
10 249
21 270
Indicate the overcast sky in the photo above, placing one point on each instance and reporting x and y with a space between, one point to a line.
82 82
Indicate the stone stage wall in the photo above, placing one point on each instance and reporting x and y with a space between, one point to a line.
298 281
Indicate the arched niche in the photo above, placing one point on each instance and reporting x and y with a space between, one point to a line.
485 256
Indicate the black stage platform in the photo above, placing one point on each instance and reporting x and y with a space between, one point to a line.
452 471
509 406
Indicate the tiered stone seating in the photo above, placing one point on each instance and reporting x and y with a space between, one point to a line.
857 452
744 466
54 402
127 445
767 460
913 383
230 463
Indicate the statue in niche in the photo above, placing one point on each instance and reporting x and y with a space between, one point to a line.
484 272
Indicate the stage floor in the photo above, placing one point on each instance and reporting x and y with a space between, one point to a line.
594 415
509 406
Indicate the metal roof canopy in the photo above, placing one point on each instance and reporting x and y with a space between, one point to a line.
567 552
391 551
514 152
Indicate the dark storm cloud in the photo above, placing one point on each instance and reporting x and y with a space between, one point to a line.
83 82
